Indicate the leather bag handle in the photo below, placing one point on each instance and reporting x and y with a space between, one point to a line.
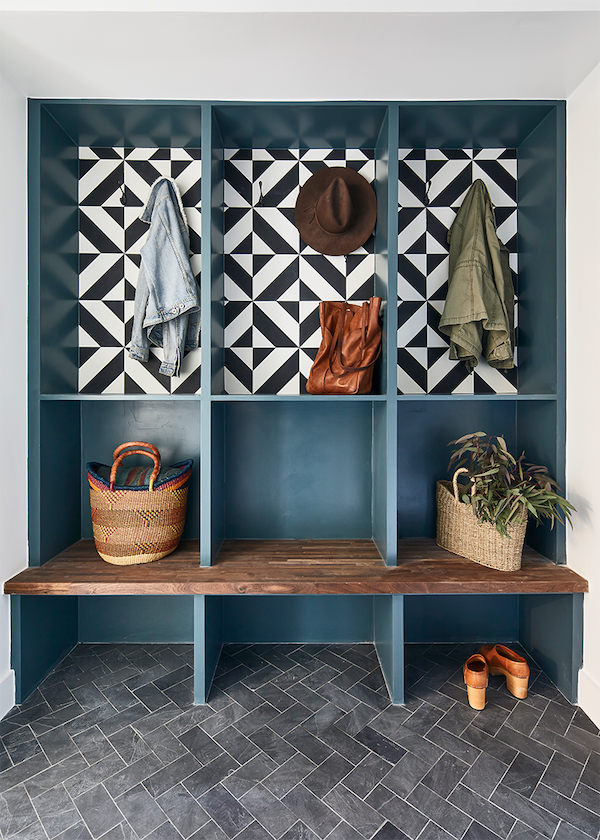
139 444
119 455
338 339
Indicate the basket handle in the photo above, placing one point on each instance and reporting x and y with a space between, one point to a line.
455 482
119 454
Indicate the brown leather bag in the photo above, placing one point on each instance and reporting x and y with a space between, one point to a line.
350 344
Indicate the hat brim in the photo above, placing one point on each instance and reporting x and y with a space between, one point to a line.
365 205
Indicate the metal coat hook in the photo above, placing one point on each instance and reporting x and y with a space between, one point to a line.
261 199
123 198
427 188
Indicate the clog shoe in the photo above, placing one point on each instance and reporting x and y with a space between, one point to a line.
503 660
475 672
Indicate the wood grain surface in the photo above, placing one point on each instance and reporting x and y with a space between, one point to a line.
291 567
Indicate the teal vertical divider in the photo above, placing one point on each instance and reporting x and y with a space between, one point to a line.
33 256
551 630
541 430
388 635
211 335
208 641
217 340
385 532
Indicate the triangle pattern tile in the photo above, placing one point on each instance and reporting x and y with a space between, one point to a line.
268 266
113 186
432 185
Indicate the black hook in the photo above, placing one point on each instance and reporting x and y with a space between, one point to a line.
123 198
427 188
261 199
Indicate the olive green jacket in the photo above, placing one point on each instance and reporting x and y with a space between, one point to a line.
478 314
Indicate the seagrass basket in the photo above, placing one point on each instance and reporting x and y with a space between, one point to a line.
459 531
138 513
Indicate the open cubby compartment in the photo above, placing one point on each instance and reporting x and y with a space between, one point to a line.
74 432
297 470
548 626
427 425
91 168
70 433
266 283
518 149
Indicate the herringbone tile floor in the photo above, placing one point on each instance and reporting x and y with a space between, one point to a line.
299 742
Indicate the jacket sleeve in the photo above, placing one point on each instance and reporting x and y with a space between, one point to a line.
172 287
477 313
139 346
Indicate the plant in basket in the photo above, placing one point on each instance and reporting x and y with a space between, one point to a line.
486 521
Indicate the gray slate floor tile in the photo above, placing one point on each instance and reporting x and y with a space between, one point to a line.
524 775
268 811
225 810
141 811
249 774
56 811
362 817
98 811
183 810
286 777
16 811
312 811
110 743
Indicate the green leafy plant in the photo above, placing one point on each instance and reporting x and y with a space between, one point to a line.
506 489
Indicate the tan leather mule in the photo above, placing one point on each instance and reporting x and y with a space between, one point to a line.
475 672
503 660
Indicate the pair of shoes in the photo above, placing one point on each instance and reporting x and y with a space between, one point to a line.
503 660
494 659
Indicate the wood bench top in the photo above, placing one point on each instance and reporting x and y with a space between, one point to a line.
292 567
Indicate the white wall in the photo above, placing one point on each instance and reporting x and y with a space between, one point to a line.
583 373
295 56
13 367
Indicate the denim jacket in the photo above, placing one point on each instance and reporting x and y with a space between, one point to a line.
167 299
479 310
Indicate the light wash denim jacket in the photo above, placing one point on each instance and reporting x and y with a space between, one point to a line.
167 298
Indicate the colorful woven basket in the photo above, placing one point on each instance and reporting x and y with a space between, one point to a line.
459 531
138 513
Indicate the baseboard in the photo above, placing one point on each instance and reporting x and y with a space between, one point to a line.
589 697
7 693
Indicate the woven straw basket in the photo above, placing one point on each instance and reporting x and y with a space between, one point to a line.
459 531
137 518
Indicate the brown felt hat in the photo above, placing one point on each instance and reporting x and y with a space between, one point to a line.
336 210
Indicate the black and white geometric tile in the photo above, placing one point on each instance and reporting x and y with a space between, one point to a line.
298 742
273 280
113 187
432 186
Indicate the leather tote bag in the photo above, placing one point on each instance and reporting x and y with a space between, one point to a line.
350 345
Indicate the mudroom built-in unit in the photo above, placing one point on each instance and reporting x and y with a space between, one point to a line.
309 518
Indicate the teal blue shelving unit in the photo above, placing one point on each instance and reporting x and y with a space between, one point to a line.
271 466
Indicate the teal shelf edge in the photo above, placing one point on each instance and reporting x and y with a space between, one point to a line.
119 397
298 398
477 397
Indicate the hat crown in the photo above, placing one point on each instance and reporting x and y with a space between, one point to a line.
335 211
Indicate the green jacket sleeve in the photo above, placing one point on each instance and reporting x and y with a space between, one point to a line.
478 314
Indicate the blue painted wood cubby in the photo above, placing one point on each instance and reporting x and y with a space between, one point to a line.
270 461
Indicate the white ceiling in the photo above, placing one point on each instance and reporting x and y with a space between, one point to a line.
288 55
